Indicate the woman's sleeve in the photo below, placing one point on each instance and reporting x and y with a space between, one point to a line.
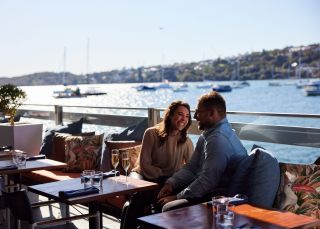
146 166
189 150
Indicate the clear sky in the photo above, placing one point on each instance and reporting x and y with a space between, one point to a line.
131 33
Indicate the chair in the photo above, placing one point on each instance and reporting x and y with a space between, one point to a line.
21 208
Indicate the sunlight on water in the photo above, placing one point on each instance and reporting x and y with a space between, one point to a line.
259 97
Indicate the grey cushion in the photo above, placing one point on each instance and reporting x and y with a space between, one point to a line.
47 142
132 133
258 177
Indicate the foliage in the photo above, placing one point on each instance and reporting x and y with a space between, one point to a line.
267 64
11 98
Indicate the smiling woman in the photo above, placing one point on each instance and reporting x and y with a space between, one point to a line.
166 147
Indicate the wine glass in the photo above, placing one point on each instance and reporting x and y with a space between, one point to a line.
125 162
115 160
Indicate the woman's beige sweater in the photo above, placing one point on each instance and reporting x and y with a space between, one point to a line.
157 160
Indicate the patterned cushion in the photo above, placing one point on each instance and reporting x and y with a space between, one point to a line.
299 190
58 151
83 152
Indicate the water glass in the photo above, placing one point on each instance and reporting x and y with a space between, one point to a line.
215 202
19 158
97 179
225 220
86 178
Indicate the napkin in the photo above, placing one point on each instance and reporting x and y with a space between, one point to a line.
78 192
8 167
111 173
42 156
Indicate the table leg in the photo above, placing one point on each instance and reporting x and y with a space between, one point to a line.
94 222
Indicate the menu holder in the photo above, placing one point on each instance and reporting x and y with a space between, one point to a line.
37 157
111 173
8 167
78 192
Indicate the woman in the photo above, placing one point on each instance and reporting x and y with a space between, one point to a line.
166 146
165 149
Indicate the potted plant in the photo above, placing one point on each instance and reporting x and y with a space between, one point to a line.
22 136
11 98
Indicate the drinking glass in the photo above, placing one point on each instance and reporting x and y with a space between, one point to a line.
97 179
86 177
216 200
125 162
115 160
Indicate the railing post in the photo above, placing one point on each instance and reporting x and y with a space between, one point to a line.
58 114
153 116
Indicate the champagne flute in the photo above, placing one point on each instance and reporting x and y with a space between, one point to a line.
115 160
125 163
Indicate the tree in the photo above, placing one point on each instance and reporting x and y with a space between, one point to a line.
11 98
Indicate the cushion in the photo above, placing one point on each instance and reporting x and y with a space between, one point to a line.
258 177
132 133
58 150
134 153
47 144
299 190
106 158
83 152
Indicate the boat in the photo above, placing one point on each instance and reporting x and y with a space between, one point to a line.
312 88
93 91
69 92
204 86
180 89
274 84
164 85
146 88
221 88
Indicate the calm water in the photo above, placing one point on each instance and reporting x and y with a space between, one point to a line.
258 97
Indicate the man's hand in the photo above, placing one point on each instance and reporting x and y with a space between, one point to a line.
165 191
166 199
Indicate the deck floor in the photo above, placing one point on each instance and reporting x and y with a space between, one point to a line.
56 210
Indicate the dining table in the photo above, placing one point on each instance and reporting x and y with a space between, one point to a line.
10 173
201 216
111 187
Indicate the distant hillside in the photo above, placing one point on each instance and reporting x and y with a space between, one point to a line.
272 64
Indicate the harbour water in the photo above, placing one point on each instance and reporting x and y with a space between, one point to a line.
258 97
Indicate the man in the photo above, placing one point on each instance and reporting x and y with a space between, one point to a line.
217 153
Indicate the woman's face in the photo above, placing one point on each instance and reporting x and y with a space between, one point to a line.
180 118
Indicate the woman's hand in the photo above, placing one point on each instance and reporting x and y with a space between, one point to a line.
165 191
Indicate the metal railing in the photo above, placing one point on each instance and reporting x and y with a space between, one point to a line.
279 134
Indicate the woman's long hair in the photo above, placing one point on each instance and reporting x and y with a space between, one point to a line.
165 126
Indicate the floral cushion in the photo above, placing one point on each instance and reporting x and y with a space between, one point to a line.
299 190
83 152
58 151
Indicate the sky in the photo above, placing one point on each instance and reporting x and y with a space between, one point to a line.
102 35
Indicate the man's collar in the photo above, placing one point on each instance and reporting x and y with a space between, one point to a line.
208 131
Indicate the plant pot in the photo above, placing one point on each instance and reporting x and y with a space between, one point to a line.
22 136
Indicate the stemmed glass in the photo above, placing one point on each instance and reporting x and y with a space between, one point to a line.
125 162
115 160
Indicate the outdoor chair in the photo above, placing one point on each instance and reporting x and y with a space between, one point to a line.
21 208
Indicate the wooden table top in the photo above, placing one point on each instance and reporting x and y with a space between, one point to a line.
110 188
32 165
200 216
